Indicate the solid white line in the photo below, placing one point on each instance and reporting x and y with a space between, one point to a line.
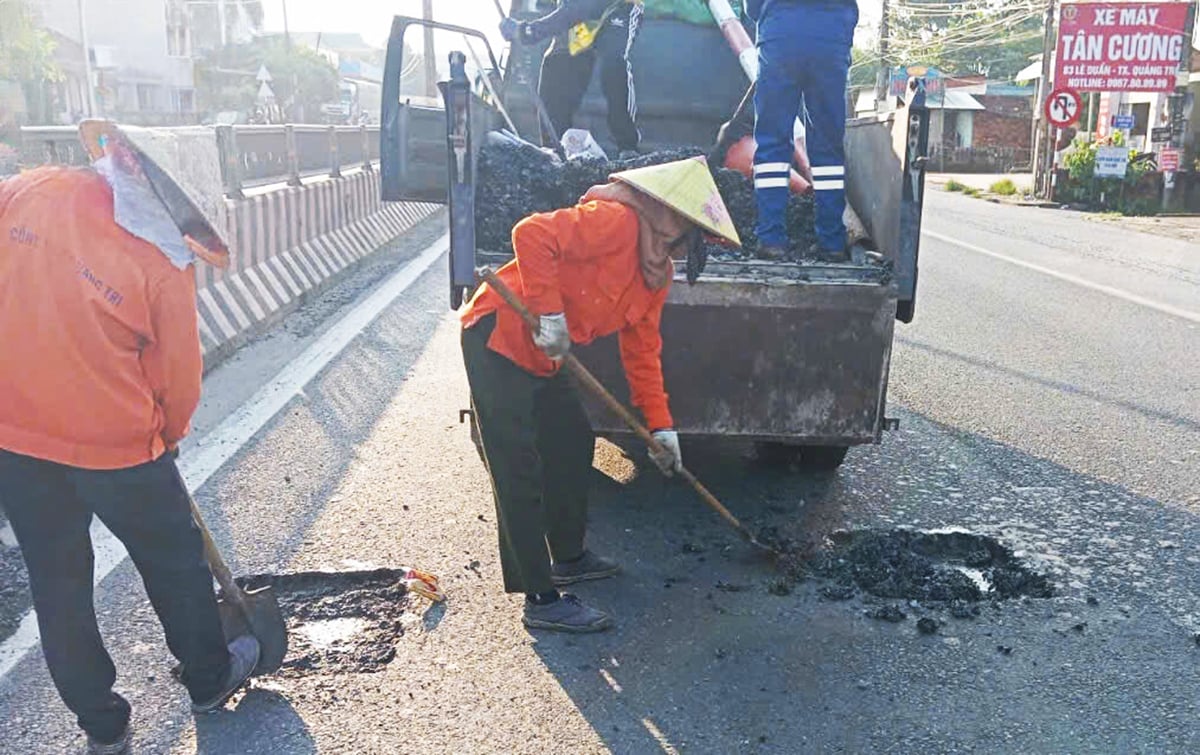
211 452
1109 290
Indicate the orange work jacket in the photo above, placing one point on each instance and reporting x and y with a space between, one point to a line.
100 359
582 261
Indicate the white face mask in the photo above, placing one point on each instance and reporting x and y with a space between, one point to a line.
138 210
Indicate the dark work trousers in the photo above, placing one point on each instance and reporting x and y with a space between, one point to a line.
50 507
564 80
538 446
803 56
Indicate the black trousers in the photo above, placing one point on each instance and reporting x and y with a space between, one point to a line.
538 445
50 507
564 81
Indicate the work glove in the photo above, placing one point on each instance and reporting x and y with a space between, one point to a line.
509 28
670 460
553 336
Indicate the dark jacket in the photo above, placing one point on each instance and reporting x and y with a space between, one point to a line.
755 8
570 12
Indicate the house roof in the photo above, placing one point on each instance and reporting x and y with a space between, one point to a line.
1031 72
954 100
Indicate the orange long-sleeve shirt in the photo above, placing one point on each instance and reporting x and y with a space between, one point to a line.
100 361
582 261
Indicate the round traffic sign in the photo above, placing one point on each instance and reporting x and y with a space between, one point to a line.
1063 107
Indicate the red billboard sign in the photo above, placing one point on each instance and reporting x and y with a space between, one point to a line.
1120 47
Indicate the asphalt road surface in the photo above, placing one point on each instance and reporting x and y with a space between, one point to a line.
1048 399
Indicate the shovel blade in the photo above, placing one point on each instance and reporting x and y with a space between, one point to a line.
264 620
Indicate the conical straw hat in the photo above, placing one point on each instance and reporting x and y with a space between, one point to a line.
687 187
192 192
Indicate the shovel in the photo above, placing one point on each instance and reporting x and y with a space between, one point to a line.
255 611
589 381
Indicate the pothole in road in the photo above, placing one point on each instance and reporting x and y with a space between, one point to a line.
937 566
342 623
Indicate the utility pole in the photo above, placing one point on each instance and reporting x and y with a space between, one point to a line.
1176 103
88 87
431 89
883 82
1043 152
221 21
287 36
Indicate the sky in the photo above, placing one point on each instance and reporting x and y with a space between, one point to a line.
372 18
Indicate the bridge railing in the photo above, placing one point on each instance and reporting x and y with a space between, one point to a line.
250 156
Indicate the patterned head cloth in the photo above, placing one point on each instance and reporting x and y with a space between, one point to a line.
182 168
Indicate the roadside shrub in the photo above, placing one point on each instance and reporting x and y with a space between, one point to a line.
955 186
1004 187
1139 193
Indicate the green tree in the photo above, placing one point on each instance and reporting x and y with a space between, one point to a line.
990 37
301 79
863 66
27 55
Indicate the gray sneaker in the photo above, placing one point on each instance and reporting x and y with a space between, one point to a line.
567 614
587 567
243 657
120 747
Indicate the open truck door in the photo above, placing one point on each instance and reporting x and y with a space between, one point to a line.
885 183
427 153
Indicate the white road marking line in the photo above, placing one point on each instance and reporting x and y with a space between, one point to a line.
1109 290
212 451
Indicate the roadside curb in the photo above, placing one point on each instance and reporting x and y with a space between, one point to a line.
288 245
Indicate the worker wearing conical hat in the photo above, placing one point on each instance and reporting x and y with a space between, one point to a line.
598 268
100 376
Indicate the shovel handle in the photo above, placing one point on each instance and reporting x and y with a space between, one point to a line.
216 564
589 380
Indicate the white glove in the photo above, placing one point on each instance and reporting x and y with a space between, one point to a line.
670 460
552 336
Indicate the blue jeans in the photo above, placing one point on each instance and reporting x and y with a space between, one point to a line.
803 55
50 507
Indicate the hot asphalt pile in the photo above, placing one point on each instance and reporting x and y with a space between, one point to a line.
515 180
952 569
340 623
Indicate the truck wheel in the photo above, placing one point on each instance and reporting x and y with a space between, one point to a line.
806 458
822 458
777 454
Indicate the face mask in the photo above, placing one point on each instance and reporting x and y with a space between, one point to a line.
138 209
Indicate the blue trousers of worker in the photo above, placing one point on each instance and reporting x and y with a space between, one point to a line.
50 507
803 55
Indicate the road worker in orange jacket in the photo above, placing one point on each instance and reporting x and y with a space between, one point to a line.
99 378
600 268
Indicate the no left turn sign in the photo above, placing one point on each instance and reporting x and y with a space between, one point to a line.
1063 107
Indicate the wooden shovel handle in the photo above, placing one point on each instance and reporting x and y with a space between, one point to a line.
216 564
589 381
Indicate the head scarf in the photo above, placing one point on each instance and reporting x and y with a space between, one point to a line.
659 229
136 206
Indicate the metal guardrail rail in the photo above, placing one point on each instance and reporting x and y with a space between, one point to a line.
250 155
